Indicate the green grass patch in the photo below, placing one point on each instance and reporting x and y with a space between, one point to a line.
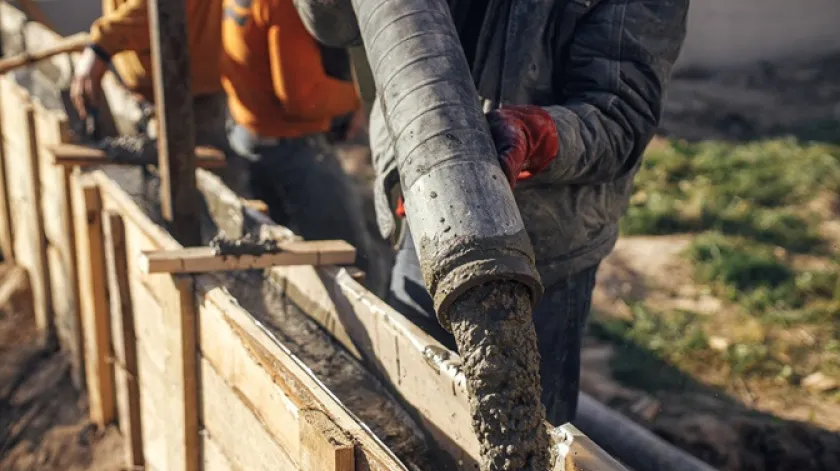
754 190
752 275
748 205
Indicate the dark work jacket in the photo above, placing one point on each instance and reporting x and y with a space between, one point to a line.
599 67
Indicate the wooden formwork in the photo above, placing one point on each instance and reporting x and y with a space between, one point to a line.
182 367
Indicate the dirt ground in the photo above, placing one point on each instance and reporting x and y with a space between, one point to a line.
43 419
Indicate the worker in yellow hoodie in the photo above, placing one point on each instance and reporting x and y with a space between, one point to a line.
121 37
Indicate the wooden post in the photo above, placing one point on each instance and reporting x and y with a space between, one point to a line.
124 341
182 441
6 233
179 196
93 296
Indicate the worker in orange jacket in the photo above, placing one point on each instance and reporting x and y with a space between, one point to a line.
282 102
121 37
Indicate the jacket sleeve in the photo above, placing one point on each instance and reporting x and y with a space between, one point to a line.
126 28
298 76
616 70
332 22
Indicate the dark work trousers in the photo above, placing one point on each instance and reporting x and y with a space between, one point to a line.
560 319
304 186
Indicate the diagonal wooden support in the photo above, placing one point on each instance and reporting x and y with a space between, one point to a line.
205 259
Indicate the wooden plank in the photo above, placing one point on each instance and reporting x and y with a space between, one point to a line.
75 155
237 430
6 227
154 418
117 200
213 456
13 282
297 380
270 403
180 199
22 163
124 341
426 375
51 127
205 259
93 294
74 43
181 345
323 445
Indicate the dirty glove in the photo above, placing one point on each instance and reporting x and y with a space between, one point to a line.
525 138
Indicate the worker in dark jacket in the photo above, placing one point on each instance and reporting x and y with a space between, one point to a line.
573 94
282 102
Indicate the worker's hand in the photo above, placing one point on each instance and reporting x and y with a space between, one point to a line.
357 125
526 140
86 88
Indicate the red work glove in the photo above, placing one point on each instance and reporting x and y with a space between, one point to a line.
526 140
400 210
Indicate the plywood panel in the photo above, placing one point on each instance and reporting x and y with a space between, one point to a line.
213 457
238 431
229 357
153 416
21 157
148 322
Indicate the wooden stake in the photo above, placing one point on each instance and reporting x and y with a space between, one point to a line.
93 295
179 198
125 343
204 259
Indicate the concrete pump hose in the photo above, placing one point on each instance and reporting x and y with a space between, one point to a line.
476 258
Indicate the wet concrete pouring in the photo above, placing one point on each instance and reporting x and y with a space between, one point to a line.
263 298
498 344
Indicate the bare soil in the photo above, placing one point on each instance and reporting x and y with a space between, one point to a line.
43 419
735 426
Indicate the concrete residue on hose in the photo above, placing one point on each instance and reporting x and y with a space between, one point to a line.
498 345
453 265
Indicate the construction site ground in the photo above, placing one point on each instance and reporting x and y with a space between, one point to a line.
715 322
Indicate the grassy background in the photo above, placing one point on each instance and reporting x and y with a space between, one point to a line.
756 211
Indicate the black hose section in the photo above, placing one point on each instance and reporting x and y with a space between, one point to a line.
637 447
459 206
332 22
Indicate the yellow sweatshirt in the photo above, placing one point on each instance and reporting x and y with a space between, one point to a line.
123 32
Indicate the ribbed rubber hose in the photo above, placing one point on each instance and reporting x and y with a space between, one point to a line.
461 211
476 258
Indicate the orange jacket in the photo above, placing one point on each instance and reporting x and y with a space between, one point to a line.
273 74
123 32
